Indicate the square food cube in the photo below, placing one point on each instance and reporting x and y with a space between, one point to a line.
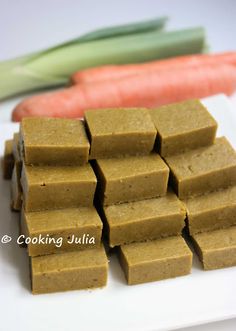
55 231
216 249
51 187
215 210
69 271
131 178
54 141
155 260
182 126
119 132
144 220
204 169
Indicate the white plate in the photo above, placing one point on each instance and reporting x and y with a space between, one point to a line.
201 297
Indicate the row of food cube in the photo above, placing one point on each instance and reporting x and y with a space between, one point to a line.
125 179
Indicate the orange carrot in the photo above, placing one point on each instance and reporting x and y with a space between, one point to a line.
148 89
118 71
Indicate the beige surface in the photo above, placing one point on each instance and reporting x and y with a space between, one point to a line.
16 147
132 178
54 141
155 260
216 249
69 271
16 190
212 211
204 169
82 225
182 126
115 132
8 160
144 220
49 187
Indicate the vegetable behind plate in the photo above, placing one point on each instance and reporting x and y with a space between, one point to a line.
101 73
148 89
54 66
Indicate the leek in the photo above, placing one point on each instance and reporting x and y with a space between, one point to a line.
128 44
119 30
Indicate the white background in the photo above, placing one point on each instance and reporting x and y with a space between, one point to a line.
30 25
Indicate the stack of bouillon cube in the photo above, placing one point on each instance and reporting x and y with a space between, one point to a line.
135 178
